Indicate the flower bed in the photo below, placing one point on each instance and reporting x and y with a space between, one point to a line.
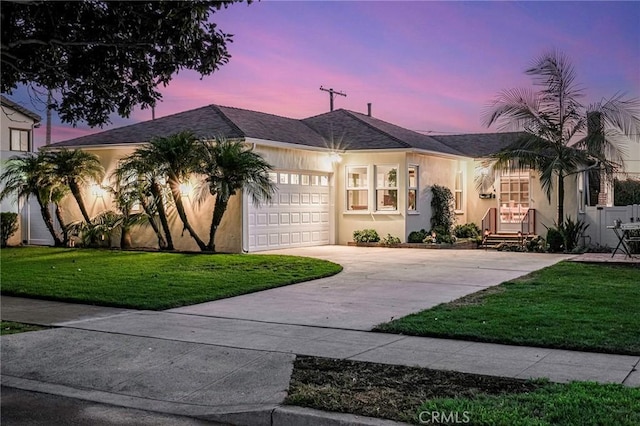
459 245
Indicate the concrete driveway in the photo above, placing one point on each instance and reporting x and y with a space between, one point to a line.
376 285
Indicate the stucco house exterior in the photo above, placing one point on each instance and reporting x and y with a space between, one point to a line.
336 172
17 125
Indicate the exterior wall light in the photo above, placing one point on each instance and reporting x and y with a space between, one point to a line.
97 191
185 189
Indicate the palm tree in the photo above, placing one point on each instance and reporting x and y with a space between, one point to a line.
75 168
177 156
229 167
561 137
31 176
125 197
144 182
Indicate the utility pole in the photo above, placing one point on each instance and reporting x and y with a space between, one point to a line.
332 93
47 140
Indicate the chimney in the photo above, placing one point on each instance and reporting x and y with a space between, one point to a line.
369 109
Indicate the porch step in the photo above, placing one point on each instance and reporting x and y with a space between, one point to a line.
493 241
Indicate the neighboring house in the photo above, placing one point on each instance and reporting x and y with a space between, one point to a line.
336 173
17 139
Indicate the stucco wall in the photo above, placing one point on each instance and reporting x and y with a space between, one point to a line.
433 171
383 222
294 159
546 210
476 207
228 237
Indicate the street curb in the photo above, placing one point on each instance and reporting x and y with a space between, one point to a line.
299 416
249 416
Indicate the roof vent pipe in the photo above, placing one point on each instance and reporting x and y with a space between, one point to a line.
369 109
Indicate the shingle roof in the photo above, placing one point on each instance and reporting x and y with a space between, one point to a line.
206 122
271 127
8 102
354 131
340 129
203 122
479 144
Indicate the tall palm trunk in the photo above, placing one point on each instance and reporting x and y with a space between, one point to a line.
77 194
174 184
218 212
162 243
48 222
156 191
560 219
65 228
125 235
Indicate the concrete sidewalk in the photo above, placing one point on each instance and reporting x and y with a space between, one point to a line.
237 371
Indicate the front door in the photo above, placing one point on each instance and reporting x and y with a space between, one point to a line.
514 200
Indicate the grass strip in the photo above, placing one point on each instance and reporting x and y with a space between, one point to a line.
587 307
148 280
10 327
416 395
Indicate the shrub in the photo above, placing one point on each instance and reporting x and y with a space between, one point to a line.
554 240
468 230
626 192
390 240
597 248
537 244
366 236
442 236
442 208
572 232
417 236
8 226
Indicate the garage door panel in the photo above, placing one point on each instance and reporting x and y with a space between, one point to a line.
298 216
261 219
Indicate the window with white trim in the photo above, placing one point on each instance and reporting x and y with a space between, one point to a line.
386 188
458 193
357 184
20 140
412 188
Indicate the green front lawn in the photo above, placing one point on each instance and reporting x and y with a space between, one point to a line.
144 280
569 305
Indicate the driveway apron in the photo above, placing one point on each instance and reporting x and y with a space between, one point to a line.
376 285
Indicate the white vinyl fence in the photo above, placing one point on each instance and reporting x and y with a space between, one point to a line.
600 217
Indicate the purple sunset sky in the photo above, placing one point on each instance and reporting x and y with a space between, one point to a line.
426 66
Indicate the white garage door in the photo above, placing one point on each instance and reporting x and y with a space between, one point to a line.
298 216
